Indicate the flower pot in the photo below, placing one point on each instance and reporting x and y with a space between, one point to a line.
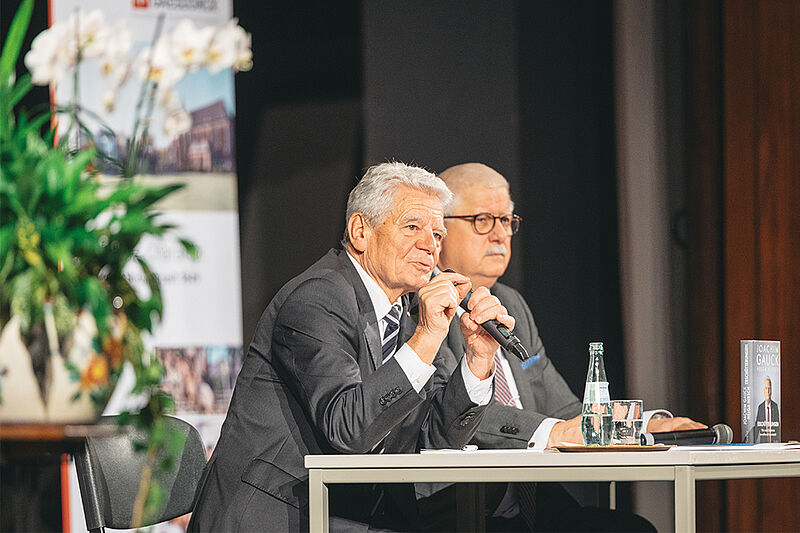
73 389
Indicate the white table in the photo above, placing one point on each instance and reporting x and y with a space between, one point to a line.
681 465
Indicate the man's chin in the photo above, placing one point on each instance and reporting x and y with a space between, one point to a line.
496 263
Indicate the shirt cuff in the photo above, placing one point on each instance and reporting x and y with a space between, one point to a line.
480 390
417 372
541 436
656 413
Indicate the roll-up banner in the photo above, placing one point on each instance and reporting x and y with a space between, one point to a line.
190 140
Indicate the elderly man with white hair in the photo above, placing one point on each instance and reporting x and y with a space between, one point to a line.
338 366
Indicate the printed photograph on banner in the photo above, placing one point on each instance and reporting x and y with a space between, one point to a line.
200 378
156 95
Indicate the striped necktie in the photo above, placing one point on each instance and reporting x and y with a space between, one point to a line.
502 391
392 322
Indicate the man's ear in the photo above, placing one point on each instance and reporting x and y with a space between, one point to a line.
359 231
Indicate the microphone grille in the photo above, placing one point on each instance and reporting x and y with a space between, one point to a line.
723 433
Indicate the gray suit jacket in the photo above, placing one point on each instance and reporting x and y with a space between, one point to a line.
312 383
542 390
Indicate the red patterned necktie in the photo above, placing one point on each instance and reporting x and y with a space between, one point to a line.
502 391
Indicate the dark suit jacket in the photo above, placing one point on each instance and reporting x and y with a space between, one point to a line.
542 390
312 383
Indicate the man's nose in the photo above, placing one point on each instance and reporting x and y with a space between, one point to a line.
427 242
498 233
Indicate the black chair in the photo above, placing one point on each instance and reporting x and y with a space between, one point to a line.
109 471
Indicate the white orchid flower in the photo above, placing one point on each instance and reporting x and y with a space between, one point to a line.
87 28
177 121
230 48
188 44
48 59
109 100
221 52
120 74
244 52
157 65
118 39
167 98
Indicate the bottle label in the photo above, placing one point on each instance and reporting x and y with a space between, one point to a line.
596 392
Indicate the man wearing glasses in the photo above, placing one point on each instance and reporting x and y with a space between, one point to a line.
533 407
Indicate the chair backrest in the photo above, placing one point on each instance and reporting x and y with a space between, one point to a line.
110 470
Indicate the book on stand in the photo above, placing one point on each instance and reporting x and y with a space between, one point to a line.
761 390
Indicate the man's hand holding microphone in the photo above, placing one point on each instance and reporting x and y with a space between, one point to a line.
438 301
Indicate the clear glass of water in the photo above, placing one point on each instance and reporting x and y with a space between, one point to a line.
627 421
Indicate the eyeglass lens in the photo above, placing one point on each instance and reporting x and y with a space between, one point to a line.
484 223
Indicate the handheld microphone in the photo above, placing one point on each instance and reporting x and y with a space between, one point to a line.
500 333
718 434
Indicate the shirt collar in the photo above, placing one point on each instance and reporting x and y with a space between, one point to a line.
380 302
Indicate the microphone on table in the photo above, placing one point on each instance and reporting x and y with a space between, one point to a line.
497 330
718 434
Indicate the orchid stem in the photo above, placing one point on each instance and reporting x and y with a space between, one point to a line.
132 165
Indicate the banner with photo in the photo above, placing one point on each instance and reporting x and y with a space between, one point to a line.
189 139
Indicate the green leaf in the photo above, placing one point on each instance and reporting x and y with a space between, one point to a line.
60 253
77 165
16 35
7 233
92 294
152 195
190 247
21 88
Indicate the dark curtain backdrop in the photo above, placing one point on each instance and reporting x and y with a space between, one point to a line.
525 87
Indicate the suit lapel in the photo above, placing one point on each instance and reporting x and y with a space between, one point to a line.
367 321
521 380
524 383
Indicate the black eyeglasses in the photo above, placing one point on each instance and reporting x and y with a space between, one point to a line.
484 222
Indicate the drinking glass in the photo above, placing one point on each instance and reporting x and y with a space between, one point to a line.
627 421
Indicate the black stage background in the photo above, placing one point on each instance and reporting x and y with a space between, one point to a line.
526 87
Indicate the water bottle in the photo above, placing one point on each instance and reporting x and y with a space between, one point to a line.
596 416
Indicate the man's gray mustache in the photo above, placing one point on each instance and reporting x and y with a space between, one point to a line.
497 249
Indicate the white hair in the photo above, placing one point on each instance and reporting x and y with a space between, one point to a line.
374 195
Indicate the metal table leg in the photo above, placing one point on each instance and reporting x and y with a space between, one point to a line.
685 520
317 503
